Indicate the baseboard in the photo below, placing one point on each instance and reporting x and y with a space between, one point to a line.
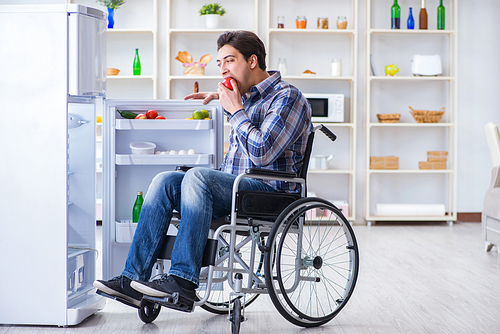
469 217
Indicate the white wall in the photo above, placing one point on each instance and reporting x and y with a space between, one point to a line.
478 88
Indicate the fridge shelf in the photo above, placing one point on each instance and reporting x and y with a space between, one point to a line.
168 124
161 159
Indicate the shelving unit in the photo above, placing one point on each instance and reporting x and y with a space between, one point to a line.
313 49
125 41
386 95
189 34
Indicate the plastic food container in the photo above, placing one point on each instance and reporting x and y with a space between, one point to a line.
143 147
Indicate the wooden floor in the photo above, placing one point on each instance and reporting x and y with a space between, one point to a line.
414 278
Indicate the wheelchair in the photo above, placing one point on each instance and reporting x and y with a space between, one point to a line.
300 250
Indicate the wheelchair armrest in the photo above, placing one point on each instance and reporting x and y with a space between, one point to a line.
269 172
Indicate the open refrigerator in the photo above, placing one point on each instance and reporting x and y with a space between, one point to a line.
53 79
124 173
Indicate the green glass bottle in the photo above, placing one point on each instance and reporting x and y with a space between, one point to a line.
440 16
137 63
136 212
395 16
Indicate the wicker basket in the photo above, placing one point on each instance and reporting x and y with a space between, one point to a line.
427 116
388 118
112 71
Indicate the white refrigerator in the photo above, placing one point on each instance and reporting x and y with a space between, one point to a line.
53 77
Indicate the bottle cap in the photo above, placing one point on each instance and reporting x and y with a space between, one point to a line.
139 193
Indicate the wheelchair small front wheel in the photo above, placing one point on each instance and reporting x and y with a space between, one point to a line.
317 262
149 311
236 317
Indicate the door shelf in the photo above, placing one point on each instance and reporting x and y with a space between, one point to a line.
163 159
411 171
168 124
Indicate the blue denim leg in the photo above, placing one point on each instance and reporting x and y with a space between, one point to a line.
163 196
205 195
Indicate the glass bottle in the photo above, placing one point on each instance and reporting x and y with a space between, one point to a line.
440 16
422 24
136 212
137 63
301 22
341 22
282 66
281 22
410 24
395 16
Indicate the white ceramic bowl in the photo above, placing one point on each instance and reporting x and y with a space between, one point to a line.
143 147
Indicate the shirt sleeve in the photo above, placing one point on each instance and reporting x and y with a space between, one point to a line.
284 122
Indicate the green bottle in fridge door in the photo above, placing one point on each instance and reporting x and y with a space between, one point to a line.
136 212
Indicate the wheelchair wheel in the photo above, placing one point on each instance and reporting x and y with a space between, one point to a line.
219 300
317 262
148 311
236 317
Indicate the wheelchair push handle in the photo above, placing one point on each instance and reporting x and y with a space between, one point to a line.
326 131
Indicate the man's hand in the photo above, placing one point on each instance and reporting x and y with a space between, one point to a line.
229 99
206 96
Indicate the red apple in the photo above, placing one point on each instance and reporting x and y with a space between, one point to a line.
141 116
227 83
160 117
151 114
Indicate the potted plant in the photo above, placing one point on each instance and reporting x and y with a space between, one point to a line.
111 5
212 13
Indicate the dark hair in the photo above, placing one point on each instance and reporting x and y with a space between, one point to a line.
246 42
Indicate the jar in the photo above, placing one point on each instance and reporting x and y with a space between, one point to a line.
282 66
341 22
336 67
281 22
322 23
301 22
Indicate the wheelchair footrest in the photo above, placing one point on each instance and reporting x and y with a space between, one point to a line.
118 299
174 301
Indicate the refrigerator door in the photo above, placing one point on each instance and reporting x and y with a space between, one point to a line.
86 51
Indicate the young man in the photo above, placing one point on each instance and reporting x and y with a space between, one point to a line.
270 123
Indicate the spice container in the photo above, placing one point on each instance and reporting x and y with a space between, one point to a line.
301 22
322 23
341 22
281 22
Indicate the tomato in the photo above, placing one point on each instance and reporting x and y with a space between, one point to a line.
151 114
160 117
141 116
227 83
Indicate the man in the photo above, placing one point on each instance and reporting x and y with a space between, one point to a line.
270 122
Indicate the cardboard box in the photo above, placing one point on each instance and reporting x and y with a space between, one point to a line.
432 165
390 162
439 156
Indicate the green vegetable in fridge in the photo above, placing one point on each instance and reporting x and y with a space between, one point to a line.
127 114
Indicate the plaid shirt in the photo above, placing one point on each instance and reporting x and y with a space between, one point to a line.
271 131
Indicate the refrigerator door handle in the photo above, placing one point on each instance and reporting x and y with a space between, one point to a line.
75 121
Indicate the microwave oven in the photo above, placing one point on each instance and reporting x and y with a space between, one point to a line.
326 107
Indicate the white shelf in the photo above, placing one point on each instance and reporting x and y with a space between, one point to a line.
411 31
163 159
313 31
167 124
130 31
316 77
396 78
411 171
130 77
202 31
379 98
330 171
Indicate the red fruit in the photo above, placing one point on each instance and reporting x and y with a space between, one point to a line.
151 114
227 83
141 116
160 117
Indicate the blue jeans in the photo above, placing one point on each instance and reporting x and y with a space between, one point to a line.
200 195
